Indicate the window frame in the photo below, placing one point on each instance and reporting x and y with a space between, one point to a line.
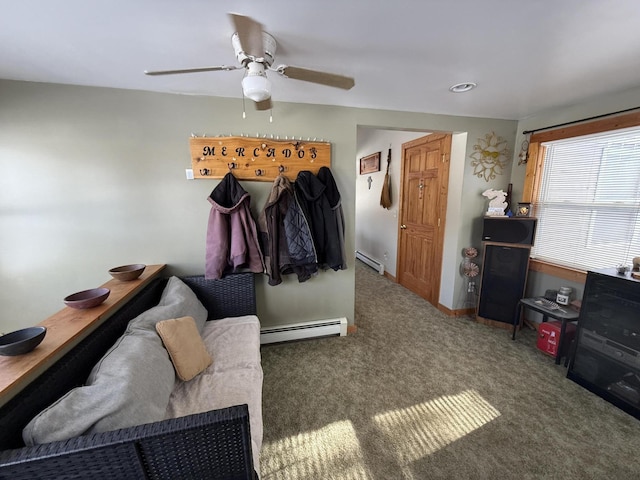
535 168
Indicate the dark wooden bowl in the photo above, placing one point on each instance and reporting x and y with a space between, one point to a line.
127 273
87 298
21 341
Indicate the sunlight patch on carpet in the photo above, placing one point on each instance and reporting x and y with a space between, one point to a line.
420 430
330 452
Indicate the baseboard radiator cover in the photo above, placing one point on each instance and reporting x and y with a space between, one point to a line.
304 330
369 260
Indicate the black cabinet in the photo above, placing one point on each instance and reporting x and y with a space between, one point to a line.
606 357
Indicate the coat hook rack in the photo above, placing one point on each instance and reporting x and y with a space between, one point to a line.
258 159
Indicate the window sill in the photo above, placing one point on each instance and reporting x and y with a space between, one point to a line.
566 273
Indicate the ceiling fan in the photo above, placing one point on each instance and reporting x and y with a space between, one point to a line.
255 51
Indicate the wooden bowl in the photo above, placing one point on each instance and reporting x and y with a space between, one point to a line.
21 341
87 298
127 273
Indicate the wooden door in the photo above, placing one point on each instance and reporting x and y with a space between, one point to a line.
423 203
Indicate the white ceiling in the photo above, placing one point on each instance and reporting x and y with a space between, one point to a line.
526 56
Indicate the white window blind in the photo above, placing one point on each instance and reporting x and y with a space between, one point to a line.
588 208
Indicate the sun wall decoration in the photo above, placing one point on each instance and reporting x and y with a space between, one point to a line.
489 156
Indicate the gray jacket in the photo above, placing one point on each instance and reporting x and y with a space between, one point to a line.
284 235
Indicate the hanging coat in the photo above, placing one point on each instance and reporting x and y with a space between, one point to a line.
302 251
232 238
310 193
335 203
271 235
284 235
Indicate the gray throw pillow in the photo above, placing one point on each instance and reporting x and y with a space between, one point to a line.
132 382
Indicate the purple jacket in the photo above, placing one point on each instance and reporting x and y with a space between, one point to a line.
232 239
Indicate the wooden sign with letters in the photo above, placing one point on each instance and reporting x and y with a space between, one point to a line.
258 159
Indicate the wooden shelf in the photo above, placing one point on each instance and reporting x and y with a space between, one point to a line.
65 330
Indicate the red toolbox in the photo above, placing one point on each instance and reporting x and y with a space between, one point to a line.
549 337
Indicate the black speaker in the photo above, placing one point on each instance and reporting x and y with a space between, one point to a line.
517 230
504 275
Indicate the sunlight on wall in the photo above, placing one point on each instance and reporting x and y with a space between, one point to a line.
421 430
330 452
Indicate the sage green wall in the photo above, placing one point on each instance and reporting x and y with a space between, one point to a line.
539 282
91 178
94 178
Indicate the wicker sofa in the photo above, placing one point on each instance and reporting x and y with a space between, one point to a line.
215 444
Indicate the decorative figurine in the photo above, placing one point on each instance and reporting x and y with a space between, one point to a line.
497 202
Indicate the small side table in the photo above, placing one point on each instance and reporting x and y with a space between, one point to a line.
564 314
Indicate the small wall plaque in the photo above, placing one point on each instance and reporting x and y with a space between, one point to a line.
370 163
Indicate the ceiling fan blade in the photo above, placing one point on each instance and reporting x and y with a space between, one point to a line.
191 70
249 34
264 105
323 78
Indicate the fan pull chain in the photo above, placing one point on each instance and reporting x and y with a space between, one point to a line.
244 110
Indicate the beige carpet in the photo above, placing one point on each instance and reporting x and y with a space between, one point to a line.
419 395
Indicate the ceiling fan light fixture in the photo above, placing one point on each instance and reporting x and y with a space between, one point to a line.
462 87
256 85
256 88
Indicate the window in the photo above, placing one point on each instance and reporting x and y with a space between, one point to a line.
586 195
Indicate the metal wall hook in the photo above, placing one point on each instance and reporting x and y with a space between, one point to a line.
232 165
260 172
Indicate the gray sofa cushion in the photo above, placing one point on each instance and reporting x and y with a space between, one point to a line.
234 378
130 385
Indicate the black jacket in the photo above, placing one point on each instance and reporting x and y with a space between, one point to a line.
335 202
311 194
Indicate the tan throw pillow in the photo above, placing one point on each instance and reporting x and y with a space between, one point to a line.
182 340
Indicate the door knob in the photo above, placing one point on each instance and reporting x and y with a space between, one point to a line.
403 227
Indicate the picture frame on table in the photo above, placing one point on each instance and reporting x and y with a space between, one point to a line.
524 210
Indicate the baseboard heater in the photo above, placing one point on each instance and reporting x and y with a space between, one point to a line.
372 262
300 331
